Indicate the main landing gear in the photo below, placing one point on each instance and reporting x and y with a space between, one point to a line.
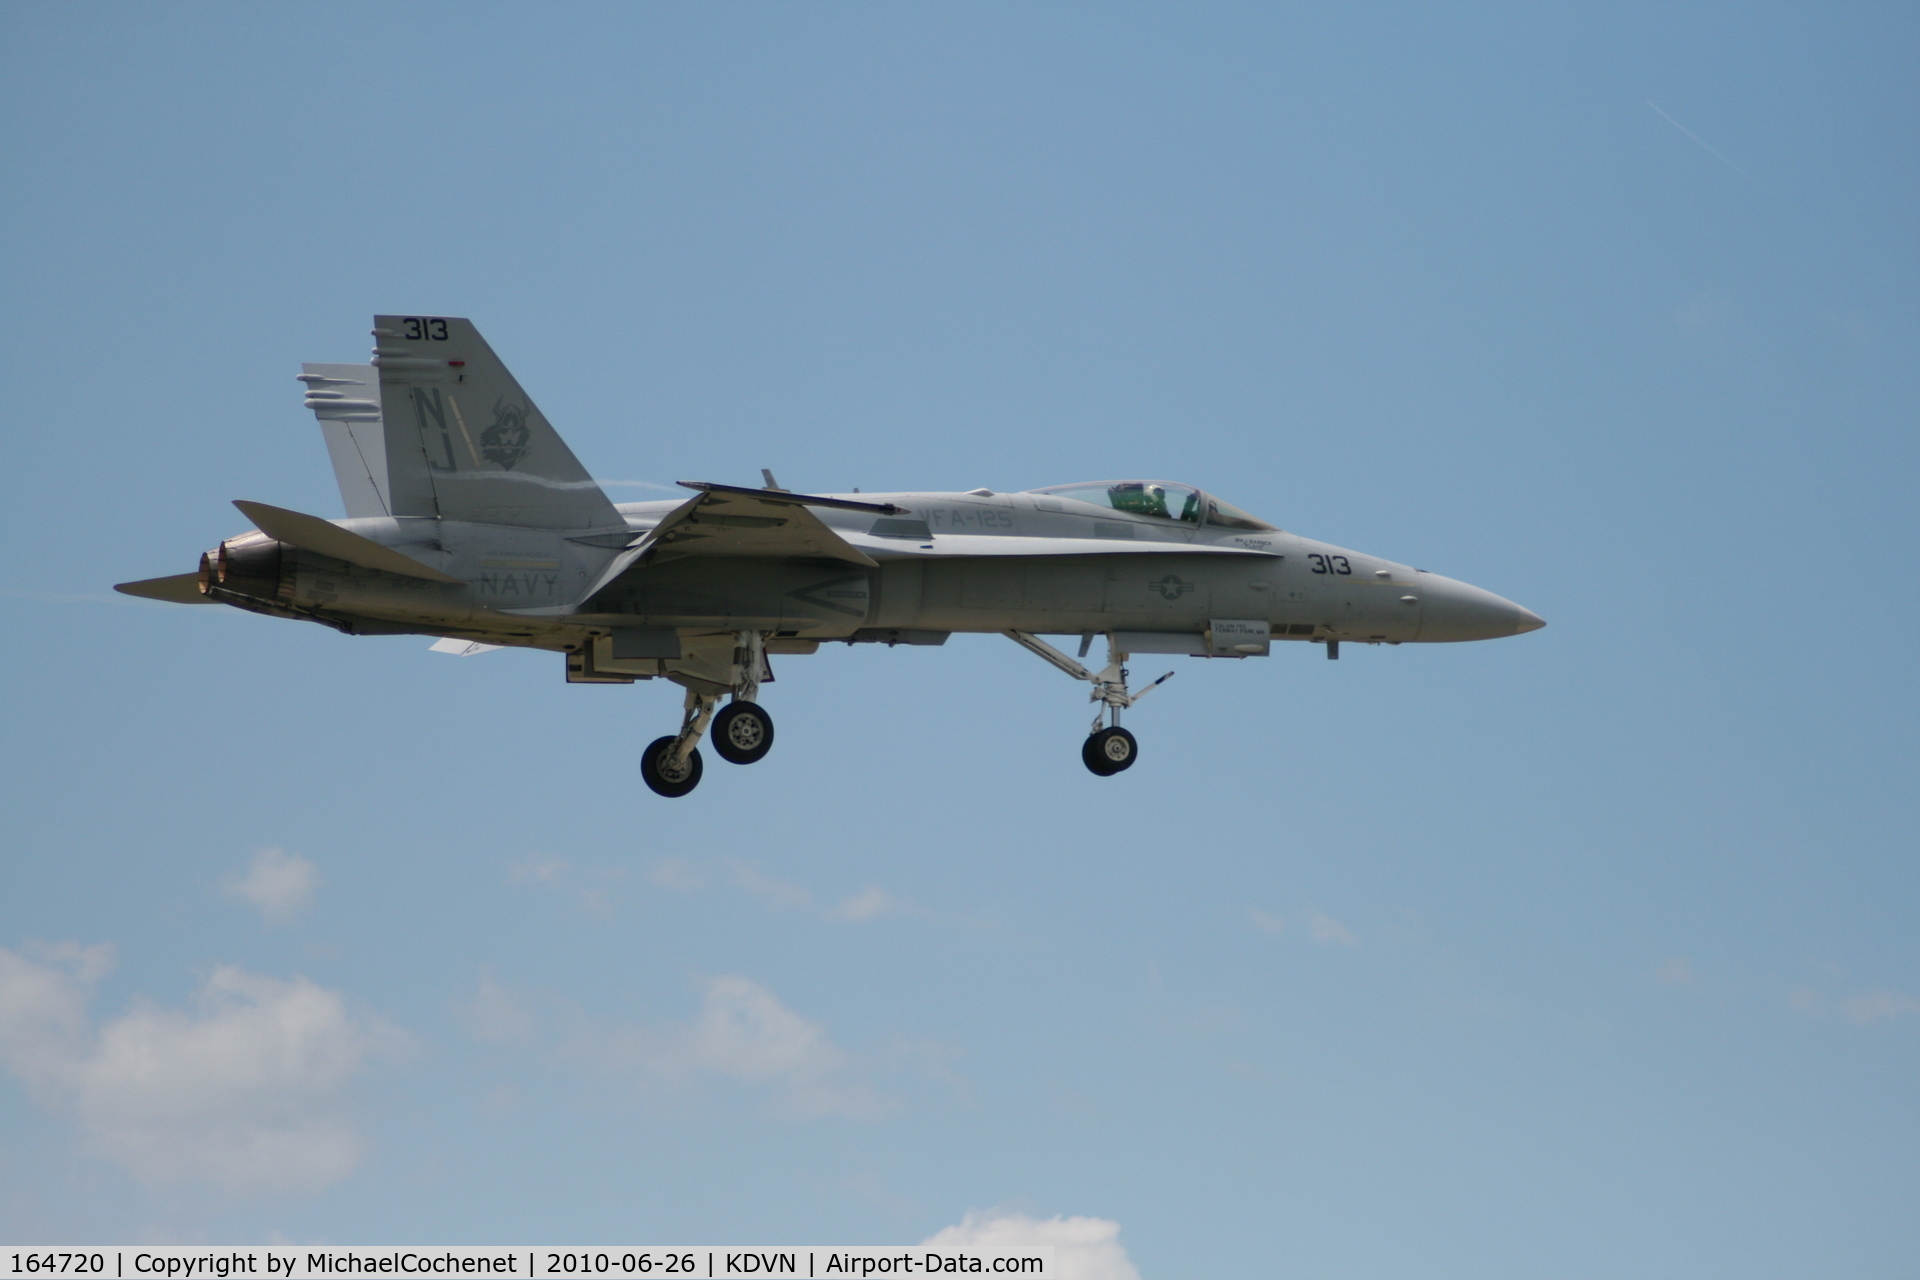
742 731
1109 748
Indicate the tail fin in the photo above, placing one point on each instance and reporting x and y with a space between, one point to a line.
464 442
346 399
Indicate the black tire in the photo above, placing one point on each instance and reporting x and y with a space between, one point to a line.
742 733
686 780
1109 751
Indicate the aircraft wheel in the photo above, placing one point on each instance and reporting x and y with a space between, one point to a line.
675 783
1109 751
742 733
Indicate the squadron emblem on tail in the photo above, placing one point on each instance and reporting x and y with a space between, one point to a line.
505 442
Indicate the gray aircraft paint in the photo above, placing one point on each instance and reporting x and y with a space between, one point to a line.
443 458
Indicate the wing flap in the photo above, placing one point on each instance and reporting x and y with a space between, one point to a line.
722 520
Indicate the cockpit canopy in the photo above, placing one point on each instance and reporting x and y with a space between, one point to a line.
1160 499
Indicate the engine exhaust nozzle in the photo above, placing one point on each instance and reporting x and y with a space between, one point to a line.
252 565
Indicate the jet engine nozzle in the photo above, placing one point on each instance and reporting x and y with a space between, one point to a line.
252 565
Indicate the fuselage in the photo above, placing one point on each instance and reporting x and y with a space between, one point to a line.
950 562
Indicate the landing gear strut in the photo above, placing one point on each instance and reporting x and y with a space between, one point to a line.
1109 748
671 765
742 730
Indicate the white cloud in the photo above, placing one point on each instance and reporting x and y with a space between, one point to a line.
1863 1008
246 1091
775 893
1324 928
865 905
744 1030
595 889
1085 1248
496 1014
1879 1006
686 876
278 883
1320 927
675 873
601 889
43 1011
743 1033
1267 922
243 1093
539 868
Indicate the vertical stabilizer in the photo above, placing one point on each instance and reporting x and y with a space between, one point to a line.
464 442
346 399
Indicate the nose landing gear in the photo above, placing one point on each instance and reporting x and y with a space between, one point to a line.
1108 751
1109 748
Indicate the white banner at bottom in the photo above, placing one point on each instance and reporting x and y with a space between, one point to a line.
521 1262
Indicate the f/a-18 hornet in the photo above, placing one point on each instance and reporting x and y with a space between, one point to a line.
468 518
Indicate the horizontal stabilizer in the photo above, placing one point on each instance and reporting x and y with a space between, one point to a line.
329 539
181 588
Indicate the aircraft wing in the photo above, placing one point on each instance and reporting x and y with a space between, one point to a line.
726 520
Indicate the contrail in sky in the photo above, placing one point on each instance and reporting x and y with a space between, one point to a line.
1697 138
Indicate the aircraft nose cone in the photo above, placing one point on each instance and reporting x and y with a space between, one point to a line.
1455 610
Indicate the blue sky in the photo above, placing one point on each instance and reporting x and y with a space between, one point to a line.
1585 953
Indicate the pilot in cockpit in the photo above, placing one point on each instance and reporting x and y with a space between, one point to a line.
1143 498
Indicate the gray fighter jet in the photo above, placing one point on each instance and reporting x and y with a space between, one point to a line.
468 518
